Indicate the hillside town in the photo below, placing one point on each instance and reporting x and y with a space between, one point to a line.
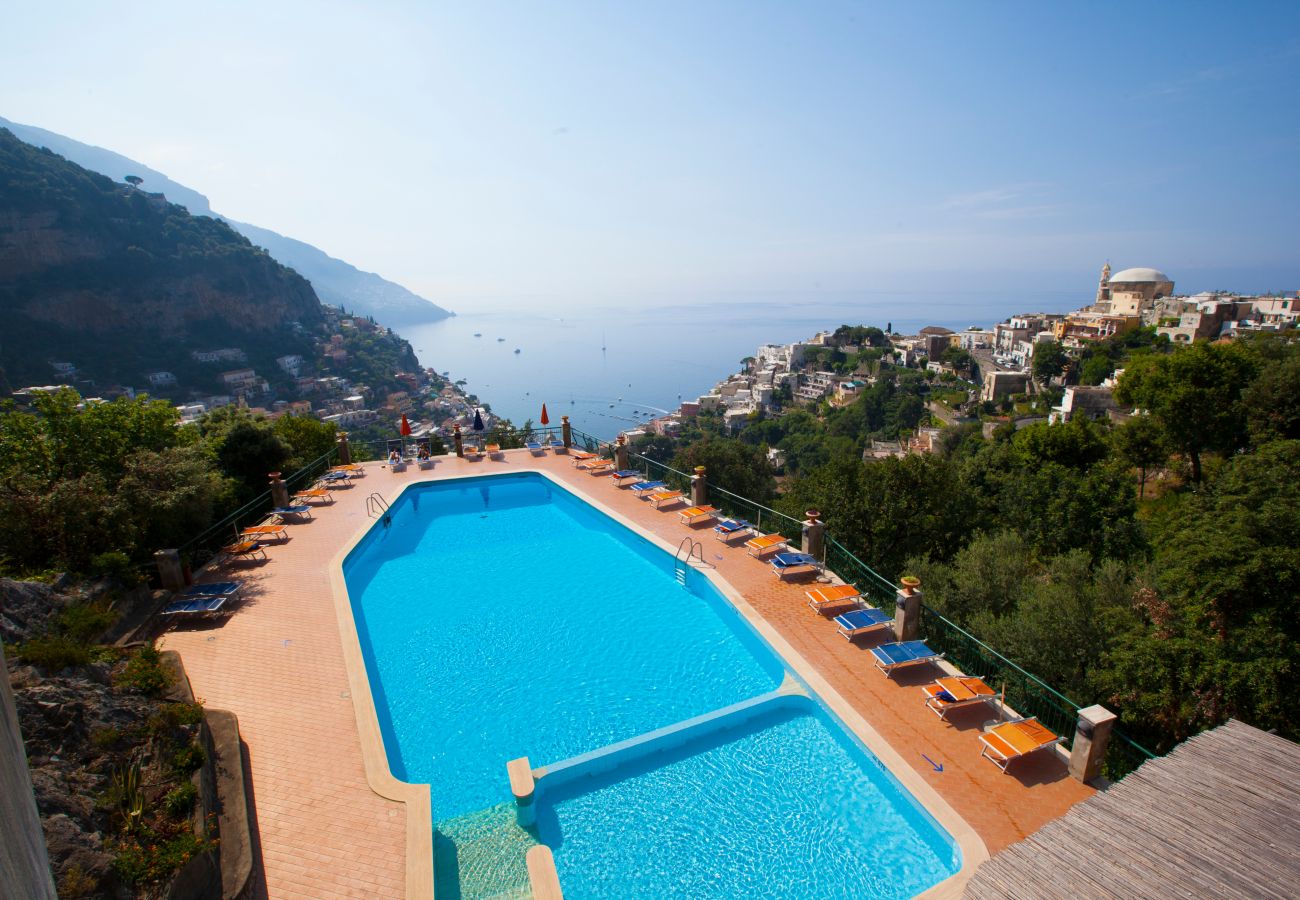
995 364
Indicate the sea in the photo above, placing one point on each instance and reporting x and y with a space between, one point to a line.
611 368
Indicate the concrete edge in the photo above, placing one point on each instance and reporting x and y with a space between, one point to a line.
419 816
232 801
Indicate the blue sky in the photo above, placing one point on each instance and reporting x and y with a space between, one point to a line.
505 152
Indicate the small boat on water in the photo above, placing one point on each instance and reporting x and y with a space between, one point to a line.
500 340
478 334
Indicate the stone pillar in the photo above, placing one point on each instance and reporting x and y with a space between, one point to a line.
279 490
699 488
522 785
814 534
620 453
171 574
345 451
24 864
458 439
1091 737
566 432
907 612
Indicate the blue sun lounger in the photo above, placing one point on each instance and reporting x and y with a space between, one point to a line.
646 488
626 476
225 589
300 511
728 529
789 565
863 621
195 606
895 656
535 448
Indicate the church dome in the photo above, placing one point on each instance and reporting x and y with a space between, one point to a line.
1139 275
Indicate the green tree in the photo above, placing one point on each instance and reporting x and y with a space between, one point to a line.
1195 394
731 465
1141 443
248 452
1050 360
306 437
1272 402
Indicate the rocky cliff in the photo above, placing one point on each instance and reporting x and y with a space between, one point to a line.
125 281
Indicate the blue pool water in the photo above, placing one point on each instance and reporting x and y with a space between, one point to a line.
502 617
833 824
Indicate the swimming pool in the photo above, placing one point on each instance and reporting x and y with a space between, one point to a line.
501 616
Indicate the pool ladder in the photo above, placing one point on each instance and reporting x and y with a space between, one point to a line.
693 549
377 506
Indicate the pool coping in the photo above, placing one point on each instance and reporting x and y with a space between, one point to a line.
419 818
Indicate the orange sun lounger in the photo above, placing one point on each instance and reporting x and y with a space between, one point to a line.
1016 739
697 514
837 595
579 456
493 450
947 694
261 532
660 499
766 543
321 494
244 550
592 462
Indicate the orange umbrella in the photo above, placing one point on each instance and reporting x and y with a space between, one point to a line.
546 420
406 426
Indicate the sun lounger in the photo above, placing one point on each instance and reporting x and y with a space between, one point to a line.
863 621
593 462
947 694
321 494
536 448
898 655
766 543
579 456
494 450
341 479
660 499
264 532
301 511
837 595
194 606
626 476
244 550
729 530
472 451
424 462
646 488
356 470
225 589
795 565
1005 743
606 469
697 514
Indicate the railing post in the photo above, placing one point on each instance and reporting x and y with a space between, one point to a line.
699 488
620 453
458 441
345 451
814 534
1091 737
279 490
566 432
170 572
907 610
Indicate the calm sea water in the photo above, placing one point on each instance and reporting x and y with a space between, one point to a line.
609 368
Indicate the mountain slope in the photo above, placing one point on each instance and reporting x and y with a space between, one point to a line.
119 282
336 282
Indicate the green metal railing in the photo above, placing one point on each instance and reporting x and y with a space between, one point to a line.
203 546
878 590
764 518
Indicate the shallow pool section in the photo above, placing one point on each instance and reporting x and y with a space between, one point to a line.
776 803
502 617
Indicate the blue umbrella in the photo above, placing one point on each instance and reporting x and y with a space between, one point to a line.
478 421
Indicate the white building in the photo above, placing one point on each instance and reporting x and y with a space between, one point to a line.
291 364
161 379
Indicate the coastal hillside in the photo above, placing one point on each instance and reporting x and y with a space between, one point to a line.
336 282
110 283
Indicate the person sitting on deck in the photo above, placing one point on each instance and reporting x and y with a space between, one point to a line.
424 452
394 458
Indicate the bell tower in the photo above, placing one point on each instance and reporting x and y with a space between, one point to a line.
1103 286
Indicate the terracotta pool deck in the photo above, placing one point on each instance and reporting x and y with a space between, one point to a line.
280 664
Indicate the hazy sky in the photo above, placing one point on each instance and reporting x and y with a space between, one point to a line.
601 150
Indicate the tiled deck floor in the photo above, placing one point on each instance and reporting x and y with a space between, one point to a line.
277 663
